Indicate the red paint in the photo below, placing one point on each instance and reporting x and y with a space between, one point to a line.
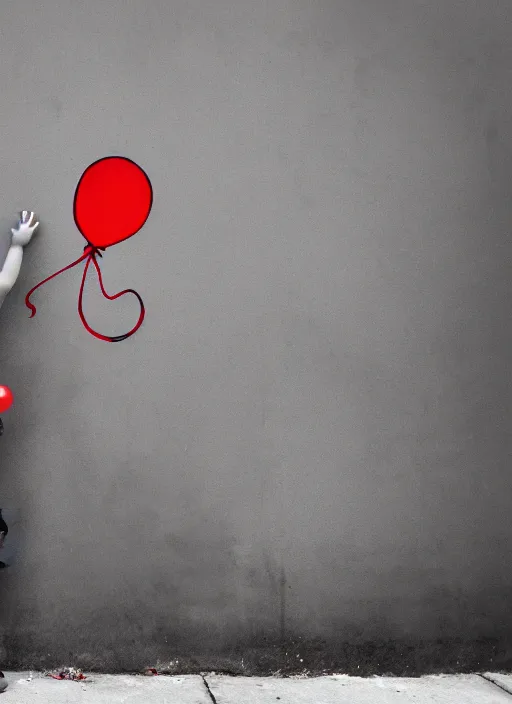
112 202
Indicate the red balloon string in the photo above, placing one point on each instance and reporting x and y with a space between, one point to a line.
90 254
107 338
30 305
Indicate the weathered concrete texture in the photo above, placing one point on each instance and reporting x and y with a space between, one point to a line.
340 689
104 689
397 658
309 436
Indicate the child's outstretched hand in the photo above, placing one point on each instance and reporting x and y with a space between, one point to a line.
22 234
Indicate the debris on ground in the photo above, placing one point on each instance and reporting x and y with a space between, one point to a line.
68 673
151 672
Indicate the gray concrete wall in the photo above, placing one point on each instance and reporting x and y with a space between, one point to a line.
310 434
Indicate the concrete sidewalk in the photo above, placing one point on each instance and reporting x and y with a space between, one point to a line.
25 688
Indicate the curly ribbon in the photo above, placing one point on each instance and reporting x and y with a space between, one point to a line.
90 254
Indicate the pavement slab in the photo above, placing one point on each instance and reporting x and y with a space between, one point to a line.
342 689
105 689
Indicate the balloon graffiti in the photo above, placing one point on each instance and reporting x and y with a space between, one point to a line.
112 202
6 398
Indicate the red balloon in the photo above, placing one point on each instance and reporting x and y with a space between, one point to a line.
113 200
6 398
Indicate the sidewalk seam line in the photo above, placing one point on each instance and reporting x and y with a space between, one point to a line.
208 689
496 684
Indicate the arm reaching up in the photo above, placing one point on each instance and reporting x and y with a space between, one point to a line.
21 236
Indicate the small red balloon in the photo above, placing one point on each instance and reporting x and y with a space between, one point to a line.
113 200
6 398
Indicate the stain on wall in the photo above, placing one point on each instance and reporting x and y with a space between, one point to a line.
307 441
